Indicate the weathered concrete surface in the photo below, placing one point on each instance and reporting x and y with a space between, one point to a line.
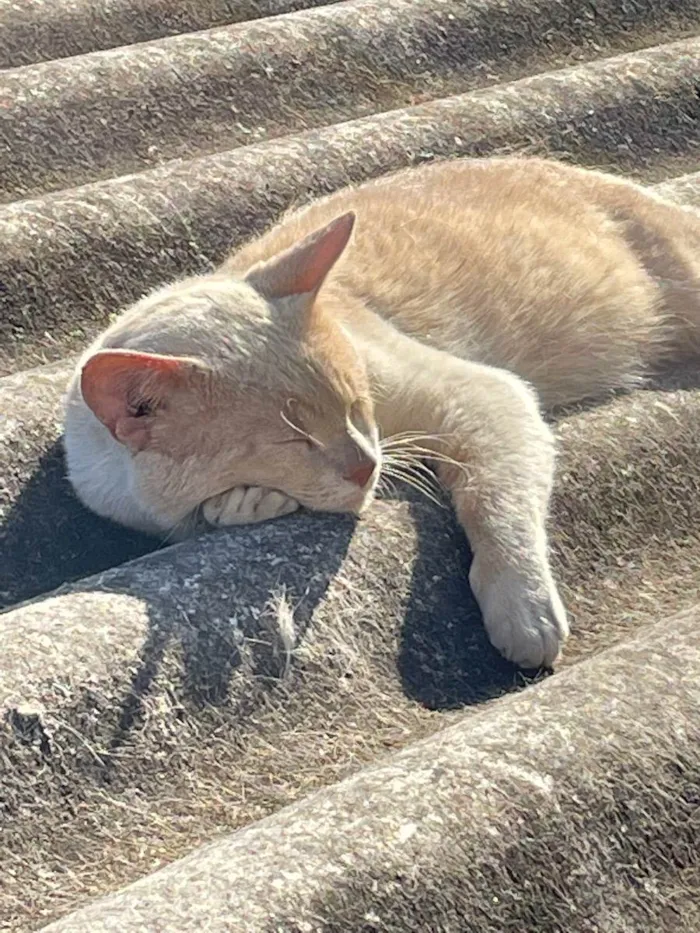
46 29
156 705
572 806
158 685
77 120
150 709
70 259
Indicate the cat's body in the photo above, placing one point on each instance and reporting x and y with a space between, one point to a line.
462 280
560 275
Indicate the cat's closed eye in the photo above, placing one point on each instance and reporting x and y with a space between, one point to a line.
305 441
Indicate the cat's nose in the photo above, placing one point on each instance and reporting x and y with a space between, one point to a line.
362 472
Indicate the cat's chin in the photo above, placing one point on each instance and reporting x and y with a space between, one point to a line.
364 505
356 504
361 509
360 500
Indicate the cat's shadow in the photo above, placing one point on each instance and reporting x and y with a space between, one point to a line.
48 539
445 660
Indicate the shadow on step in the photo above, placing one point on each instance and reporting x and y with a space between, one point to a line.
444 659
49 538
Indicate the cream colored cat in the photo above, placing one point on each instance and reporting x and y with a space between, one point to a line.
470 294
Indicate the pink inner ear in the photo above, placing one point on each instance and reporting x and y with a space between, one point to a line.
320 255
111 379
302 268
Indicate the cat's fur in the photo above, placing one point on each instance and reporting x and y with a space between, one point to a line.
465 284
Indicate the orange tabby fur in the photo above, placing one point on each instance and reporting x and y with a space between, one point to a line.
470 294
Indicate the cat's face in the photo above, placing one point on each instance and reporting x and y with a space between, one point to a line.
291 411
312 436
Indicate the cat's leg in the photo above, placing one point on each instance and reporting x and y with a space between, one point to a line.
501 491
246 505
500 471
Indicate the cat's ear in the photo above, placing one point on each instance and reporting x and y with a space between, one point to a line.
125 388
301 269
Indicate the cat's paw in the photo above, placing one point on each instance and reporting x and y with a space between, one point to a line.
245 505
524 617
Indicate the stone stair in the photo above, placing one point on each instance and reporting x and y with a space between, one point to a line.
318 698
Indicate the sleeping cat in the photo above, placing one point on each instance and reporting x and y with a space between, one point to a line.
470 295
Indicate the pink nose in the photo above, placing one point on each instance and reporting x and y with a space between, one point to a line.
361 474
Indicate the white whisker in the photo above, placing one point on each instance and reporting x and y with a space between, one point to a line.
385 487
186 525
404 474
403 436
420 471
406 447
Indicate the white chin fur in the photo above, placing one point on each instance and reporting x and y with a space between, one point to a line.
100 470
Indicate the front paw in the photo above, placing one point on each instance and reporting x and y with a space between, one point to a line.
523 614
246 505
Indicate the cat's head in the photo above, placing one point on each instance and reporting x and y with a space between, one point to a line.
219 382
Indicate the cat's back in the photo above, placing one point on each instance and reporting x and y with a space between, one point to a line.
470 232
425 198
444 196
554 272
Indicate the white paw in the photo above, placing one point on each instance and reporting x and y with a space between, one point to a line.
245 505
523 616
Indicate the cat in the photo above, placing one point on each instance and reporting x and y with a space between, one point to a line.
469 297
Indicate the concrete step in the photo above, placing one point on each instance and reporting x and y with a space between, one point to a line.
47 29
129 109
